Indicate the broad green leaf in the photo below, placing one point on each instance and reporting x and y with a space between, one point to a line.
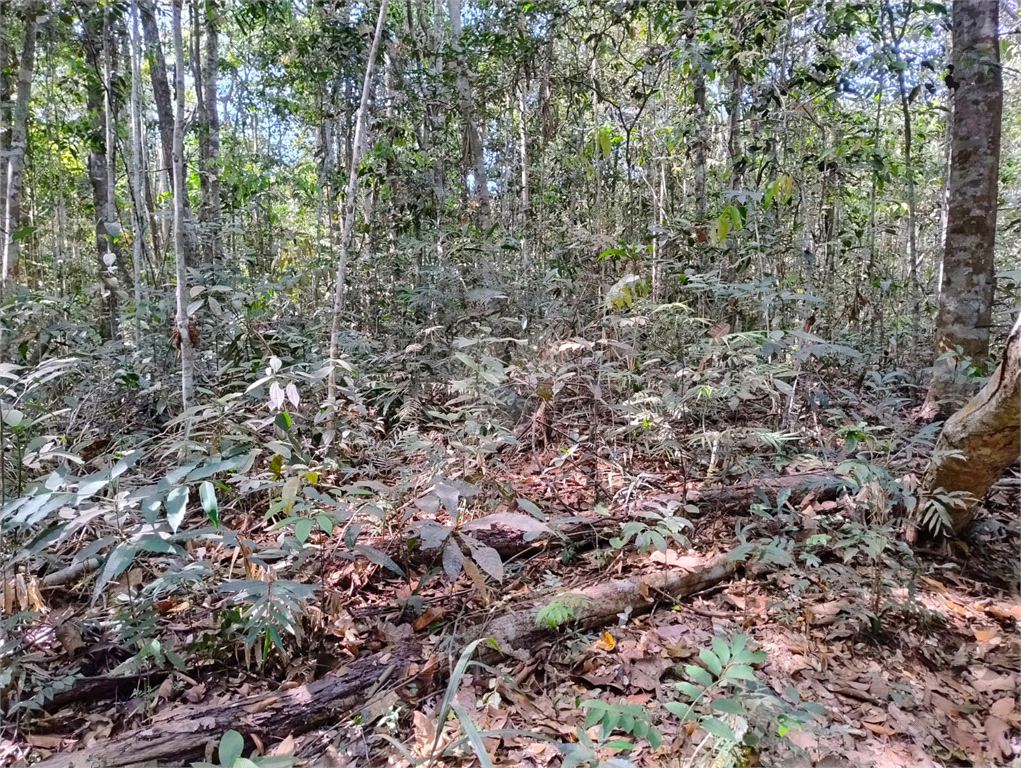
739 672
177 504
379 558
120 557
303 528
691 691
728 706
699 675
453 559
232 744
712 661
722 649
718 728
153 543
207 495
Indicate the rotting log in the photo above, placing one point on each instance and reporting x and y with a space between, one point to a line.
980 440
178 735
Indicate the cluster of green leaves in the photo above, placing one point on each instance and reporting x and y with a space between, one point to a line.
630 719
561 609
726 683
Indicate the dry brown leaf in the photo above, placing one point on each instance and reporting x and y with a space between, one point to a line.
425 733
985 635
945 706
70 637
427 617
963 739
1005 611
881 730
1005 709
261 705
44 740
285 747
999 741
823 614
985 680
196 693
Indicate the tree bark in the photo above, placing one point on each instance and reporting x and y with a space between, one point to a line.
135 172
348 222
183 334
700 147
208 132
981 440
966 295
17 148
107 250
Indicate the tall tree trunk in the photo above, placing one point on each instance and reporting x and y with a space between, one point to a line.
135 172
348 220
966 296
95 30
182 321
5 127
164 102
905 106
523 144
17 148
474 151
700 148
209 135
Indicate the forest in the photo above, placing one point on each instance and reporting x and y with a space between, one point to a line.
543 383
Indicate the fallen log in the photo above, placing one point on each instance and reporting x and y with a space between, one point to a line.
585 530
180 734
102 687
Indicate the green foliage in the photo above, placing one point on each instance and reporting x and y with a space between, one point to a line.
746 712
561 609
230 750
665 528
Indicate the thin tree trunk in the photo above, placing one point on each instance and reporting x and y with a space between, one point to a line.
17 149
966 297
209 137
700 147
473 136
523 146
912 249
348 221
136 172
182 320
94 30
164 102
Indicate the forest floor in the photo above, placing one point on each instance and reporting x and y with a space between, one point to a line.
912 656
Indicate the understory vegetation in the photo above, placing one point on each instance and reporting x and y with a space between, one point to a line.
497 383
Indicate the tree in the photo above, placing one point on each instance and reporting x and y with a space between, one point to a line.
966 295
95 39
166 121
472 136
976 445
209 132
17 147
348 220
183 324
